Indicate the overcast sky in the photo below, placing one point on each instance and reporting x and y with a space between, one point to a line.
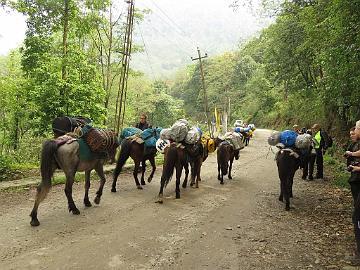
12 30
13 26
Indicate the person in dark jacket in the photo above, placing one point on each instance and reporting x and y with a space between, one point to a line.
309 160
353 163
143 124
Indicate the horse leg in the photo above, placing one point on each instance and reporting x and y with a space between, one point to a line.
219 171
281 197
143 167
198 178
178 176
41 192
68 192
87 186
198 169
287 196
117 171
193 172
153 165
100 172
162 184
136 169
230 167
186 167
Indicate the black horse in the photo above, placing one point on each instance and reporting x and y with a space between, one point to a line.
64 124
225 158
288 161
196 155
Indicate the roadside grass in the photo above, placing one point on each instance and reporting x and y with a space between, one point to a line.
336 166
59 178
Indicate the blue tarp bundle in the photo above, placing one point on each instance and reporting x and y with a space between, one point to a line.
288 138
241 129
150 136
127 132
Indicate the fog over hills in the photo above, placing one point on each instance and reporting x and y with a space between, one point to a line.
173 30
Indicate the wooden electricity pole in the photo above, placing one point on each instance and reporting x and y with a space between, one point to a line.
204 89
125 63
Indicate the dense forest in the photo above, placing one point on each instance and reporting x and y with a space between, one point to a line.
303 68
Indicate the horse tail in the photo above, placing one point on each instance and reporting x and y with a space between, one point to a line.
125 151
169 165
222 158
46 164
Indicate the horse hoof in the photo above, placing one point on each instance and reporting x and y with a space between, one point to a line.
221 182
219 178
287 208
230 177
113 189
139 187
191 184
97 200
149 180
34 222
75 211
184 186
143 183
197 186
159 201
87 203
177 196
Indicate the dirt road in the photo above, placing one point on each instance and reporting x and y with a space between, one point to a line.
239 225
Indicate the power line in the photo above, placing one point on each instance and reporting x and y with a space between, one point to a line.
171 41
175 24
180 32
146 51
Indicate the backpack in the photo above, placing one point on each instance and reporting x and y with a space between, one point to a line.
327 139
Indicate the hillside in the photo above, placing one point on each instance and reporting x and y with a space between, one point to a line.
173 30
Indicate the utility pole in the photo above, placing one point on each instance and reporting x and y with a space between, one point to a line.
125 63
204 89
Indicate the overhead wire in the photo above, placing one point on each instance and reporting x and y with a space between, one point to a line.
174 23
146 51
171 41
182 34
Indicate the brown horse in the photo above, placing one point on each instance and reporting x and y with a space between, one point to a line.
66 157
139 153
174 158
225 158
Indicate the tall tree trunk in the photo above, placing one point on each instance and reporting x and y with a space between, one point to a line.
15 139
108 63
64 53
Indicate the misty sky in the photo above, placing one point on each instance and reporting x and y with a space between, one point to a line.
173 25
